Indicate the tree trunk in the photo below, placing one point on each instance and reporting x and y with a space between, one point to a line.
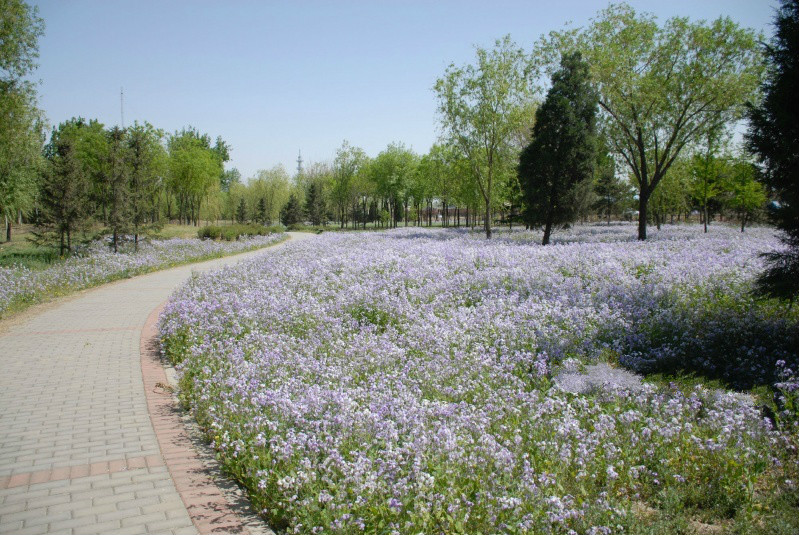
8 229
548 228
488 219
642 202
704 212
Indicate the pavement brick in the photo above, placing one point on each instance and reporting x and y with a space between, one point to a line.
78 450
144 519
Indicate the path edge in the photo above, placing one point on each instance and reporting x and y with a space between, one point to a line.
206 504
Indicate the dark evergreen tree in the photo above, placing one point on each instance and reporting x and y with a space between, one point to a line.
241 211
774 137
315 204
117 185
260 215
148 163
291 214
561 153
63 196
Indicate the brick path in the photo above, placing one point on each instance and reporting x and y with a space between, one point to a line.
78 449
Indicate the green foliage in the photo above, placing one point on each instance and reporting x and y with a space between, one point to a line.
63 195
292 213
662 87
234 232
117 185
194 170
20 29
148 165
561 154
482 108
772 137
21 130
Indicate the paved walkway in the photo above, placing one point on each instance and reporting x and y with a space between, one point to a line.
78 448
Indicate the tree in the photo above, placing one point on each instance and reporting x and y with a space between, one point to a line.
772 137
118 186
21 131
194 168
391 171
21 140
63 193
315 204
273 186
562 151
148 166
610 190
707 170
746 196
241 211
291 214
348 163
481 108
20 29
673 194
260 213
229 177
662 88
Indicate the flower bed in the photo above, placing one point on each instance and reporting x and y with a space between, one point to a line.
400 382
20 287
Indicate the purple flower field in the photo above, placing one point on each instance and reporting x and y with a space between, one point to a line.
402 382
96 264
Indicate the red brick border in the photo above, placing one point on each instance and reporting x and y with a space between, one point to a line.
207 506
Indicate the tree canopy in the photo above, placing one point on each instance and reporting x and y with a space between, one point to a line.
773 136
482 107
662 88
562 151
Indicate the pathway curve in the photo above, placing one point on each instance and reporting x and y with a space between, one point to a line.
78 448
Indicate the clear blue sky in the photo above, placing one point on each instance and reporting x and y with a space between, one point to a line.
274 77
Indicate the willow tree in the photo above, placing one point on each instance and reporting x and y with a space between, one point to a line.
482 107
663 88
21 129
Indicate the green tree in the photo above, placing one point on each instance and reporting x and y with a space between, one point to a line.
707 172
481 108
21 130
611 192
194 168
349 162
229 177
241 211
21 140
746 196
273 186
260 213
772 137
674 194
148 166
391 171
118 185
292 214
562 151
662 88
315 204
63 194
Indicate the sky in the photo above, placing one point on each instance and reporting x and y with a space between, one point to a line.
274 78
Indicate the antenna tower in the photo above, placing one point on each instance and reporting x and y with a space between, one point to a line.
122 105
299 163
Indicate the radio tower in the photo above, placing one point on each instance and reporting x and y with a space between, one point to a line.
299 163
122 106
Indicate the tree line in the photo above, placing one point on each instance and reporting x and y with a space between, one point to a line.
623 116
